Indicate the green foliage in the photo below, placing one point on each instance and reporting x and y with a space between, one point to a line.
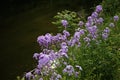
111 7
70 16
99 61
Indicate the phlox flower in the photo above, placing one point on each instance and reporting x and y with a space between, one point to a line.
64 23
81 23
99 8
69 70
116 18
112 25
94 15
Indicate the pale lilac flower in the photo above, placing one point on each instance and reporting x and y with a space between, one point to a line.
92 30
36 56
116 18
82 31
69 69
94 15
66 33
29 75
77 35
43 59
90 19
63 45
99 8
105 36
64 23
81 23
53 56
48 37
88 24
74 41
100 20
45 41
64 54
37 71
40 40
87 39
106 30
112 25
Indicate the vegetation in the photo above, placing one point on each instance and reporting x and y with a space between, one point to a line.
84 50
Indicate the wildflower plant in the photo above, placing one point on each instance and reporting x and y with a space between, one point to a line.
83 51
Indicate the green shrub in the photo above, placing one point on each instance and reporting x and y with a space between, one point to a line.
111 7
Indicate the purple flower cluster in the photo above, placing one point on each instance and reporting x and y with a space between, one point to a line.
69 69
55 76
105 33
75 40
45 41
49 59
48 40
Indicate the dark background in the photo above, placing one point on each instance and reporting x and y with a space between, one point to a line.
21 22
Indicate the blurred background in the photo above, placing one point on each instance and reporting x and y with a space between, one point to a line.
21 22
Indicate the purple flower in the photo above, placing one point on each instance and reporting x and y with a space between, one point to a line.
53 56
90 19
106 30
100 20
92 30
64 23
116 18
29 75
82 31
63 45
98 8
64 54
48 37
87 39
74 41
88 24
66 33
112 25
40 40
94 15
36 56
77 35
69 69
105 36
37 71
43 59
81 23
45 41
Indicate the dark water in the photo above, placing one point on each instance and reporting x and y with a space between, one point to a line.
18 40
18 34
